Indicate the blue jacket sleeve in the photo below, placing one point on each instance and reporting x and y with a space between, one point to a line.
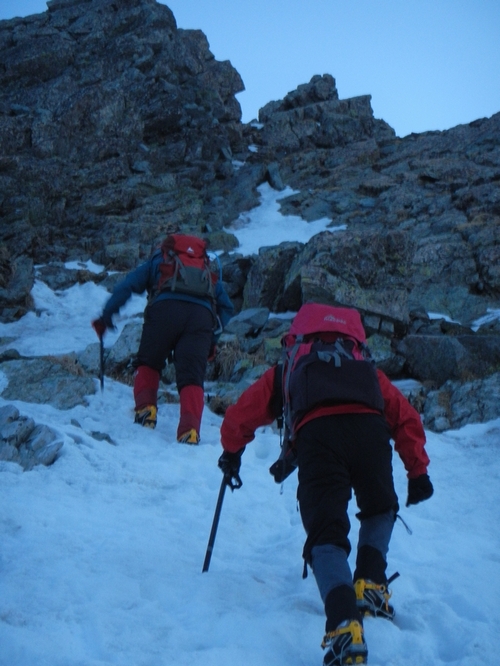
136 282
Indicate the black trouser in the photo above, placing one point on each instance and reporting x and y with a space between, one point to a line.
180 327
336 454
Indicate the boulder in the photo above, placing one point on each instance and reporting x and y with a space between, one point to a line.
439 358
266 279
248 323
57 381
24 442
457 404
16 282
366 271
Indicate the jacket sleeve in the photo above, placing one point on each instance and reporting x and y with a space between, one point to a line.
252 410
406 428
136 282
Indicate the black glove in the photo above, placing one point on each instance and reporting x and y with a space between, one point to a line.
230 464
419 489
283 467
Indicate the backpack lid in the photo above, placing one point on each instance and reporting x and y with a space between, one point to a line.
319 318
185 244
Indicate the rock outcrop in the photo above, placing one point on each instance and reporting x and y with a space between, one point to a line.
116 127
421 214
24 442
113 124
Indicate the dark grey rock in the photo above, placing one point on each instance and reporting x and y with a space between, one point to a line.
16 282
384 356
58 277
438 358
266 278
24 442
248 322
274 177
56 381
457 404
125 348
105 109
343 268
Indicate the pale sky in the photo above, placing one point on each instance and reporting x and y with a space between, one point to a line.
428 64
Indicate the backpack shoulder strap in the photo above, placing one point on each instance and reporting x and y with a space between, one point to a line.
287 461
289 354
277 399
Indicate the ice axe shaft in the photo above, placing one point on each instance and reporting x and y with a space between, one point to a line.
215 524
101 362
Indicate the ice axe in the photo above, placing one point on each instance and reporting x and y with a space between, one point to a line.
234 482
100 327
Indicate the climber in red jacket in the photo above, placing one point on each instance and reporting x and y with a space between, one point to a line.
339 446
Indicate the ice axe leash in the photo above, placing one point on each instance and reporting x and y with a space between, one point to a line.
237 483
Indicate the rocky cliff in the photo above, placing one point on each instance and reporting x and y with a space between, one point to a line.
116 126
113 123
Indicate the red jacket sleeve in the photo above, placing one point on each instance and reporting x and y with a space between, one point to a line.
252 410
406 428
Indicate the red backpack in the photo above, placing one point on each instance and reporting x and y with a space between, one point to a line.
185 268
326 361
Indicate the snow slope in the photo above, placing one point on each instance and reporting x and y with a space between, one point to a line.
101 554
